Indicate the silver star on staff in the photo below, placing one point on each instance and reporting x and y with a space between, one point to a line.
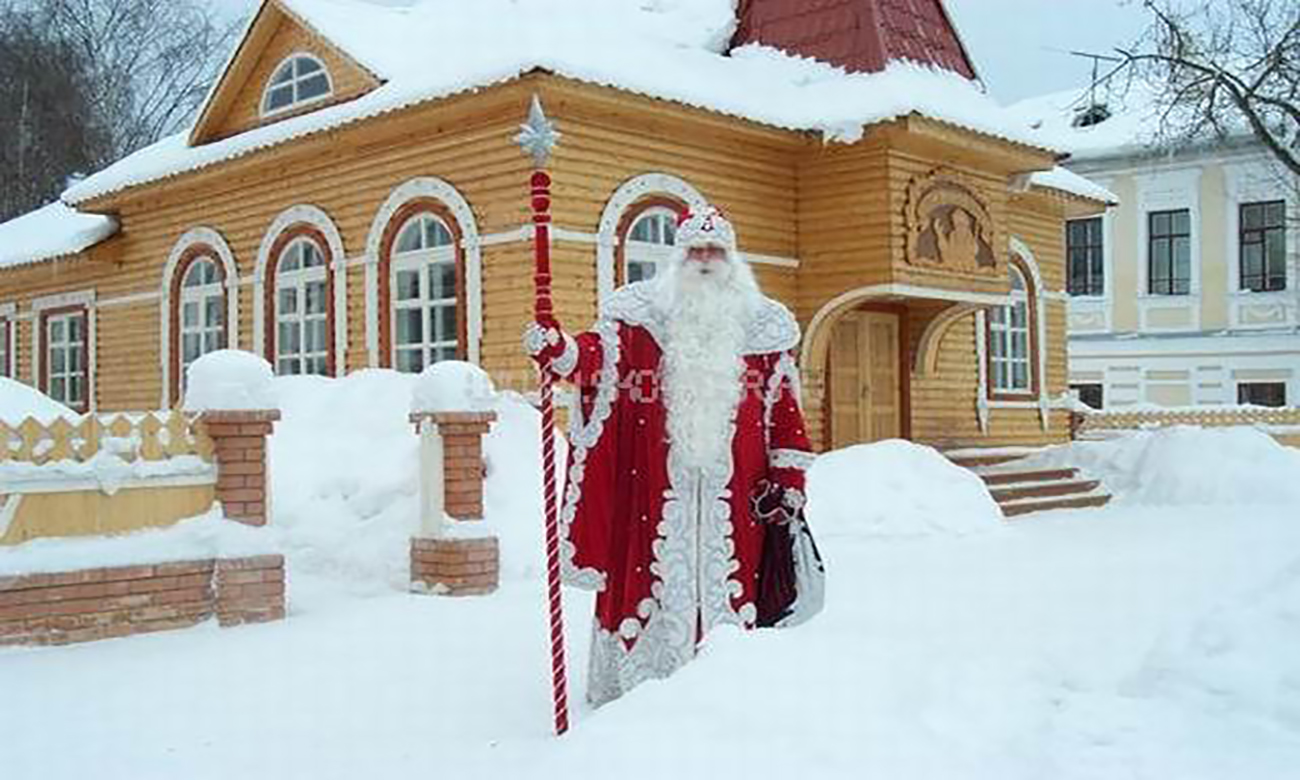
538 136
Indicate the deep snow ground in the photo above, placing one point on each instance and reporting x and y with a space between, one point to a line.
1079 645
1156 638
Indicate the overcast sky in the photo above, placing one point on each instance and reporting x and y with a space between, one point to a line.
1019 46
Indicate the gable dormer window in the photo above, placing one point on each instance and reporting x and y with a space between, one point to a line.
300 79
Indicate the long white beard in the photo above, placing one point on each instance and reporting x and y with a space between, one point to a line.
703 362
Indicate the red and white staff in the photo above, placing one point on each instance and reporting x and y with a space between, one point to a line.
538 137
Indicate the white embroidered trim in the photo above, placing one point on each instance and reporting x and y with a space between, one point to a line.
785 370
582 437
568 360
537 338
791 459
794 499
772 329
694 563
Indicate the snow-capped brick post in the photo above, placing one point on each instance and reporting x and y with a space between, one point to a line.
234 393
453 554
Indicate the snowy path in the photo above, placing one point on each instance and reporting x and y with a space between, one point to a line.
1079 645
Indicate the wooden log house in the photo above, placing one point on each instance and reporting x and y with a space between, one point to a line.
332 212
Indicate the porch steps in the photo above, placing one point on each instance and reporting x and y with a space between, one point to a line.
1023 490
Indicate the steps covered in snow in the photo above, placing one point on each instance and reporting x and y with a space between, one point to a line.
1020 490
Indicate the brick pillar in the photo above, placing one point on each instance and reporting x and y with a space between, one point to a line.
455 567
240 440
458 566
462 459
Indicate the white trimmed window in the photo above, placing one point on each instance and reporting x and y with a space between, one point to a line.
202 312
301 310
425 324
298 80
1009 358
6 348
66 371
649 242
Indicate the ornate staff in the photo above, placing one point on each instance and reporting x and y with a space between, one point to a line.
538 138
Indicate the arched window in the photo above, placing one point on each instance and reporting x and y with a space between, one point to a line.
300 79
201 312
301 306
649 242
424 294
1011 340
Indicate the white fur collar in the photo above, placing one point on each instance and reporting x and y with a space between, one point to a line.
773 329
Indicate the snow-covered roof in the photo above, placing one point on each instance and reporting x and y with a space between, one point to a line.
1133 125
668 49
1065 180
49 232
1051 118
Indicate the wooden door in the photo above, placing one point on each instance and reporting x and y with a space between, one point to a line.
866 382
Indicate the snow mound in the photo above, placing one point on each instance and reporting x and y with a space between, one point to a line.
896 489
345 478
344 464
453 386
18 402
1187 465
229 380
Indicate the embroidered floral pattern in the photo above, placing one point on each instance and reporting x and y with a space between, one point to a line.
791 459
583 435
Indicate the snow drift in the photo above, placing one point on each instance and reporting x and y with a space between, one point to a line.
18 402
896 489
1186 465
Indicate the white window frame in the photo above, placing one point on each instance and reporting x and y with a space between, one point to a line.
1000 338
421 261
1168 190
1105 270
298 280
294 82
630 193
8 342
649 253
199 296
69 347
1255 181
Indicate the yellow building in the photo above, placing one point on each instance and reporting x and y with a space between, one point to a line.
350 197
1184 295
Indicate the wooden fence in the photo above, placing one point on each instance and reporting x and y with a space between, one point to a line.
1282 423
150 436
103 474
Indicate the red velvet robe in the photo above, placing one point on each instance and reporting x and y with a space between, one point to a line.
673 550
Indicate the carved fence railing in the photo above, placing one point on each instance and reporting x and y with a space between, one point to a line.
1281 422
150 436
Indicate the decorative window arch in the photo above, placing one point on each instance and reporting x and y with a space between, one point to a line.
302 251
1011 340
200 245
998 340
424 325
423 278
633 198
301 340
300 79
646 237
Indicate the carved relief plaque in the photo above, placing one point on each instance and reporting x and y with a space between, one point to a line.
949 226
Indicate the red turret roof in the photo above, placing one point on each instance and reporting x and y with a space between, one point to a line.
859 35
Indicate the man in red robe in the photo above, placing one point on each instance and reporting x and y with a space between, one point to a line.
683 503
